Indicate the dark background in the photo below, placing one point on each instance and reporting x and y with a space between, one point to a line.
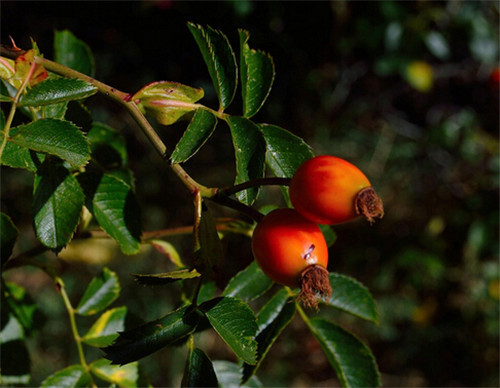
342 84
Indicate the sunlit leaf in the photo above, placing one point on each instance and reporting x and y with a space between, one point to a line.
71 377
248 284
123 376
165 278
100 293
56 90
105 330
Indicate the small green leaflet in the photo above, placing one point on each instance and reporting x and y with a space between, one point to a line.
57 137
100 293
250 151
165 278
167 101
257 76
199 130
199 371
220 60
57 204
70 377
352 360
235 322
352 297
56 90
105 330
72 52
248 284
123 376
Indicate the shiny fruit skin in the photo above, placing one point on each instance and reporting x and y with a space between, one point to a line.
284 243
324 189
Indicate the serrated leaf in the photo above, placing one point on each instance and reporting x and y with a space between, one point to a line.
53 111
168 250
15 361
20 157
8 237
199 371
71 377
123 376
220 60
100 293
165 278
235 323
57 137
285 151
72 52
200 128
56 90
256 74
57 204
150 337
113 204
248 284
229 376
167 101
105 330
352 360
352 297
108 147
250 151
276 315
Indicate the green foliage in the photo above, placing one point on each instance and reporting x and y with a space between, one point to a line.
8 236
199 371
101 292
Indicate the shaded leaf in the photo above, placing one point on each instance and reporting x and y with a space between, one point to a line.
113 204
256 74
272 320
20 157
208 248
220 60
235 322
100 293
72 52
167 101
56 90
352 360
199 371
72 376
16 300
8 237
57 137
169 250
229 376
352 297
123 376
166 278
248 284
57 204
250 150
329 234
150 337
105 330
107 146
200 128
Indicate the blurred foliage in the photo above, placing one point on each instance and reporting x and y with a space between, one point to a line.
402 89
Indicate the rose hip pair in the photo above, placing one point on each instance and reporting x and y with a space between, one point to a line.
288 244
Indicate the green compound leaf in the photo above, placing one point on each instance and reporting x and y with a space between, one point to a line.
150 337
220 60
57 204
57 137
200 128
199 371
229 375
107 146
100 293
167 101
122 376
160 279
256 74
8 237
352 297
250 151
72 52
248 284
56 90
71 377
352 360
285 151
272 320
235 323
113 204
105 330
